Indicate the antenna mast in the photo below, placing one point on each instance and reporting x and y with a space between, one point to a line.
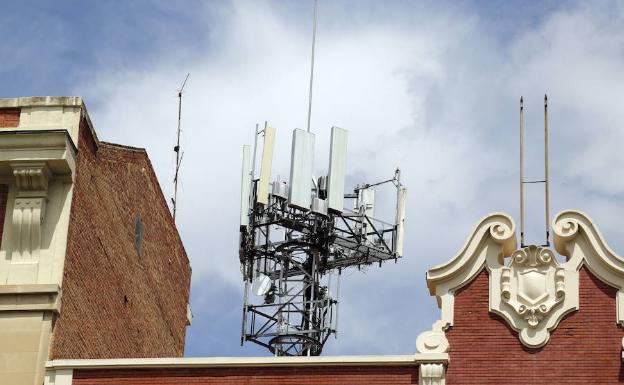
176 149
546 174
312 62
546 179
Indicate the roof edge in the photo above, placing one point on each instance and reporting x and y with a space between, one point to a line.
41 101
224 362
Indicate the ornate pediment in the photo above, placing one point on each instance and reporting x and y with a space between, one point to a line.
528 287
533 292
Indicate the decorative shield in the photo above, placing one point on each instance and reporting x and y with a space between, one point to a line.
532 285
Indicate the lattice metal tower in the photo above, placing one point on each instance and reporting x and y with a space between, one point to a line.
296 237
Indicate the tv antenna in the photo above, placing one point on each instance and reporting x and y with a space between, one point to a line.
546 176
176 149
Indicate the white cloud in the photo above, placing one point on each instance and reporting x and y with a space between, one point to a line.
437 97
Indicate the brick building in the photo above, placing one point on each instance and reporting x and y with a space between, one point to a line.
91 264
96 222
509 315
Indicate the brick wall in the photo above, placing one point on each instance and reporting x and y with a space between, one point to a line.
584 349
326 375
118 302
9 117
4 192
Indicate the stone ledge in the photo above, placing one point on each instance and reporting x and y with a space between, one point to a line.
223 362
41 101
42 297
54 147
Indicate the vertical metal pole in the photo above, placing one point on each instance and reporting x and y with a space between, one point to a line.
337 302
177 150
245 302
395 233
521 172
312 307
252 172
397 175
546 178
312 63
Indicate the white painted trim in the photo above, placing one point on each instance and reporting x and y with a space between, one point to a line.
577 237
41 101
59 377
224 362
30 289
508 298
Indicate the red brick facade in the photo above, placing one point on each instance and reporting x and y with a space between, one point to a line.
118 301
585 348
9 117
4 192
324 375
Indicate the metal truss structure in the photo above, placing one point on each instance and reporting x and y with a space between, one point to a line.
292 259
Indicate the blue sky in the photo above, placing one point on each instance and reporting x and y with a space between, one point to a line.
432 87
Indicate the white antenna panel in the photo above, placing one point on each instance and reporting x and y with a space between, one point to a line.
365 203
265 166
400 231
301 164
337 169
245 186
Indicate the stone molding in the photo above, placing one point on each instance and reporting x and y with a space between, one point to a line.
532 291
431 374
29 209
233 362
54 147
32 176
37 297
492 239
577 237
431 366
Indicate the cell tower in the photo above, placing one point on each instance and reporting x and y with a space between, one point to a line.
296 237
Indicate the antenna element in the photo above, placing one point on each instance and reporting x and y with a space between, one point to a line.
546 177
176 149
312 62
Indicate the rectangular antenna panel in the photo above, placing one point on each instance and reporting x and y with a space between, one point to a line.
301 164
400 230
245 186
365 203
265 166
337 169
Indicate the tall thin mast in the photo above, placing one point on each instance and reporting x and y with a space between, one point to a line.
176 149
521 172
312 62
546 180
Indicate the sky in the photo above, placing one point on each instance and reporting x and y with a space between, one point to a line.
430 87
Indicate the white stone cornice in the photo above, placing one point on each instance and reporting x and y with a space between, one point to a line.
577 237
31 179
35 297
431 374
232 362
31 176
532 292
498 228
491 240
